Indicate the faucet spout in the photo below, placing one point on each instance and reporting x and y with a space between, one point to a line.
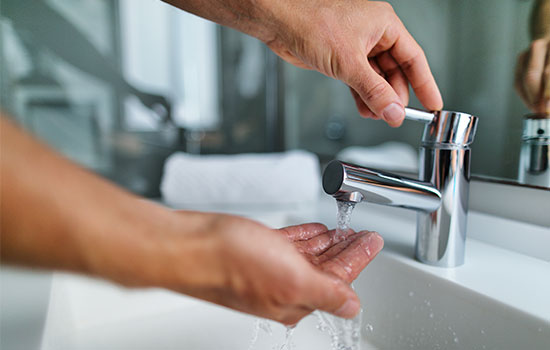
440 198
353 183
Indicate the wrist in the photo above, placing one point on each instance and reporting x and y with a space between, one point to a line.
156 247
121 246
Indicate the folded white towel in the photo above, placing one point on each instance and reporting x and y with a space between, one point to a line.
392 156
271 178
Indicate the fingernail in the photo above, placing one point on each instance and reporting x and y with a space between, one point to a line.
374 243
394 113
349 310
376 239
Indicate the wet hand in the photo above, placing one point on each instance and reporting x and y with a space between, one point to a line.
344 258
278 274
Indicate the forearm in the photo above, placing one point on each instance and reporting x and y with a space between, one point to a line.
57 215
54 214
258 18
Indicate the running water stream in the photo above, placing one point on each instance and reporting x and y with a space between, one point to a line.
345 334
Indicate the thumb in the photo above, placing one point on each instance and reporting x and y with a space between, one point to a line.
379 96
334 296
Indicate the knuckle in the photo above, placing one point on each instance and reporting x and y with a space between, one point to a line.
386 6
375 91
409 64
536 44
532 77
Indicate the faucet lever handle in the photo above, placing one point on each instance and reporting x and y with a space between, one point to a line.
418 115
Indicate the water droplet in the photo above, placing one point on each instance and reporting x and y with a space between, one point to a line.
482 331
369 327
431 315
255 332
540 329
411 293
455 339
265 326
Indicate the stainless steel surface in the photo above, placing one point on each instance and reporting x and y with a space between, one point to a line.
418 115
453 129
361 184
440 197
446 127
534 168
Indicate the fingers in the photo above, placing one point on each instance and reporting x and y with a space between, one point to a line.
542 104
410 57
377 94
316 245
337 248
303 231
332 295
348 263
534 69
364 111
325 242
395 76
532 76
518 79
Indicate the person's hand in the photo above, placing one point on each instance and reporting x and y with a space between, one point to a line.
362 43
277 274
532 78
90 226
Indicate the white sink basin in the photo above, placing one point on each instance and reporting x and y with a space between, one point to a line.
497 300
409 309
404 308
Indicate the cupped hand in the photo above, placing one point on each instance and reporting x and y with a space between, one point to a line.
278 274
362 43
532 79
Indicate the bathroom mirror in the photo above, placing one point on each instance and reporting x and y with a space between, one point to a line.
472 47
128 97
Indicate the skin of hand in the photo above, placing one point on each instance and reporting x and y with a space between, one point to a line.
532 78
362 43
248 267
57 215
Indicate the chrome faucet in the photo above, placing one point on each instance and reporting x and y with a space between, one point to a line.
440 196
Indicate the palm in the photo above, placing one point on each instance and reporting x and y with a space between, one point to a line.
345 259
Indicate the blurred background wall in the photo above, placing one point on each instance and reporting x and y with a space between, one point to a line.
118 85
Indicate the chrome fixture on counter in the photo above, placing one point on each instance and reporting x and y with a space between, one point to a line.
441 195
534 159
